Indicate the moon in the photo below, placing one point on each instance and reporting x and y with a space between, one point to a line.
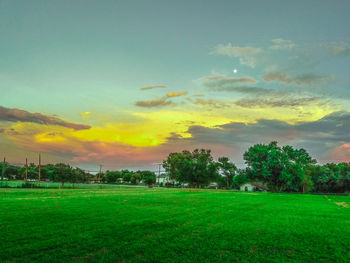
234 71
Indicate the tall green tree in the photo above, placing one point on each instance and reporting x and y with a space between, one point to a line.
344 179
331 178
3 169
112 176
126 175
62 173
33 171
149 178
48 170
240 178
196 168
281 168
78 176
135 178
228 169
10 171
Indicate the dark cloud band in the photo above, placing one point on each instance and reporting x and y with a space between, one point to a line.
18 115
153 103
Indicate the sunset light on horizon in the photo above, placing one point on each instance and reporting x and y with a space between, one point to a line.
124 84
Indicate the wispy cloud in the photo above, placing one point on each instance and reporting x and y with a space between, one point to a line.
164 101
274 102
225 80
279 44
211 103
18 115
153 103
246 55
154 87
308 79
223 83
343 51
277 76
176 94
339 49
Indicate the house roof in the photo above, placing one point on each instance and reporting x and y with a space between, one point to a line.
95 179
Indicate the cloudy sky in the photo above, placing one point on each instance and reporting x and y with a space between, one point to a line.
124 83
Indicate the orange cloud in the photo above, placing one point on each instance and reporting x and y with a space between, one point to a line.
341 153
300 80
154 87
277 76
176 94
231 80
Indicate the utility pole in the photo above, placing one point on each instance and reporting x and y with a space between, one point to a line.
3 170
39 167
26 170
159 164
158 173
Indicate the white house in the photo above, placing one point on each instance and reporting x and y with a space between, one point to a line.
253 187
163 179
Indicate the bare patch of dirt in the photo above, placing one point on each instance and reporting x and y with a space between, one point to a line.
343 204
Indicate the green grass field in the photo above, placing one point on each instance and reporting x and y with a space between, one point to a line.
171 225
19 183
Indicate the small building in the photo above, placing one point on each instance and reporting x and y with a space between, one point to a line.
162 178
253 187
95 180
213 185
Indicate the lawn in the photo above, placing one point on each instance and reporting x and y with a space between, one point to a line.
43 184
171 225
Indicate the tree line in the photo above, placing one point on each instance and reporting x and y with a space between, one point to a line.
64 173
279 169
59 172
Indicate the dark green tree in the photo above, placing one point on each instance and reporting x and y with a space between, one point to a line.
111 176
344 178
135 178
126 175
3 169
12 172
33 171
149 178
196 168
331 178
282 169
61 173
78 176
228 170
240 178
48 170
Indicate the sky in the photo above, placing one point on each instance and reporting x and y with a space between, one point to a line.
125 83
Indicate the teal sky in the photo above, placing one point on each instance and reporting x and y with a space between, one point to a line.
85 62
